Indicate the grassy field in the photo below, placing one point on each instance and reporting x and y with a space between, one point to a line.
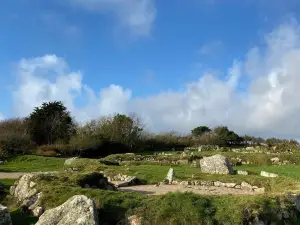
174 208
30 163
292 171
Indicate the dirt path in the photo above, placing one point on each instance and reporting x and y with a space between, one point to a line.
16 175
13 175
164 189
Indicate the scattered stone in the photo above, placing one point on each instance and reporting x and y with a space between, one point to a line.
246 186
230 185
275 160
259 190
242 172
5 218
197 182
238 186
78 210
267 174
170 176
135 220
217 183
184 183
216 164
175 182
207 183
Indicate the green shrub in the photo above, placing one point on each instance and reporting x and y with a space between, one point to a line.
15 145
14 138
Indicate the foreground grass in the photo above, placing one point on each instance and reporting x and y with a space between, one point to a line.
31 163
18 217
173 208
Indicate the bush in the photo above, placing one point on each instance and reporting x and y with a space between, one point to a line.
14 138
15 145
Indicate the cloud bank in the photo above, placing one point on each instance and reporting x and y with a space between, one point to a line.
268 107
136 15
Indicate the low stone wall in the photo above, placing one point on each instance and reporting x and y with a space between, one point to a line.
243 185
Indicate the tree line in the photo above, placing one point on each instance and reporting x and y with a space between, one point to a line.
51 130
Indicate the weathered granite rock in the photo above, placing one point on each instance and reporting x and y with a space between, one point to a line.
170 176
38 211
5 218
78 210
216 164
267 174
246 186
70 161
24 188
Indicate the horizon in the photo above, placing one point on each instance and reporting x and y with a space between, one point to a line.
176 66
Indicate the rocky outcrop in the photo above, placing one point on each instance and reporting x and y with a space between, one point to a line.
216 164
5 218
78 210
26 193
267 174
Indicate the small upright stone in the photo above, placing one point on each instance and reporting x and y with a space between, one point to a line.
5 218
170 176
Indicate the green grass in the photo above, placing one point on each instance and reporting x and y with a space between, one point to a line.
173 208
31 163
7 182
154 173
292 171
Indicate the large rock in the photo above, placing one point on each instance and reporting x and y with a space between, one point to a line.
216 164
5 218
78 210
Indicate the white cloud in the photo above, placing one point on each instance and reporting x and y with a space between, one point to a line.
136 15
211 48
269 107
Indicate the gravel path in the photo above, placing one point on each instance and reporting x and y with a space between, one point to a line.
164 189
14 175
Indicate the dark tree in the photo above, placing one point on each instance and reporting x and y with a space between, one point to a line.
227 136
198 131
50 122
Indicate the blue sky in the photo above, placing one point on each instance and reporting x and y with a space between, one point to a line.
176 65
